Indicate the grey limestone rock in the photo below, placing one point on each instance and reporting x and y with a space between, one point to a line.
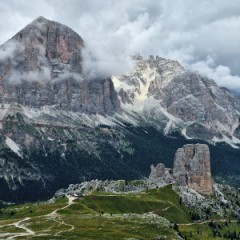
44 67
191 102
192 168
160 173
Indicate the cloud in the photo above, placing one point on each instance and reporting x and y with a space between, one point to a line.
186 30
43 76
7 52
103 59
221 73
16 15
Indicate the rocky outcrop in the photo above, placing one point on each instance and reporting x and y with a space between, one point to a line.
44 38
161 173
192 168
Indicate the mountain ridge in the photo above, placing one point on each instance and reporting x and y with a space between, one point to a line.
57 128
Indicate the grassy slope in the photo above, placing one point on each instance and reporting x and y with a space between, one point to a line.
204 231
109 216
163 201
122 219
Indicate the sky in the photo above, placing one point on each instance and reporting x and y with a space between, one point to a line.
203 36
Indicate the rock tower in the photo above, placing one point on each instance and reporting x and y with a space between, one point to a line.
192 168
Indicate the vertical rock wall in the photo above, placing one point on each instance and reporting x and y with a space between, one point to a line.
192 168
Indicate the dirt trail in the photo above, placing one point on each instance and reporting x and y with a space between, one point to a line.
54 215
28 232
70 202
19 224
206 221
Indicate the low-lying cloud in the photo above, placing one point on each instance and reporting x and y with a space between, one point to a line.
222 73
202 35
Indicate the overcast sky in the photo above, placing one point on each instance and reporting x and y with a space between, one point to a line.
203 35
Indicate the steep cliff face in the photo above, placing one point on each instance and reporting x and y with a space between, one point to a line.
50 40
192 168
43 66
171 98
56 127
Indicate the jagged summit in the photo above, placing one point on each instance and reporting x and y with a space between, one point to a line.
176 99
58 111
41 19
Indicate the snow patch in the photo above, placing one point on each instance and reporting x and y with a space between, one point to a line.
50 139
13 146
30 112
118 84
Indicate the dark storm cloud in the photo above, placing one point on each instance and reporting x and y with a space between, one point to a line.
203 35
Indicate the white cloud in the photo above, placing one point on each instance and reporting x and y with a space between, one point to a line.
186 30
15 15
221 73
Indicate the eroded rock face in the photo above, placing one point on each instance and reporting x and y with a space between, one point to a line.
162 90
160 173
192 168
43 66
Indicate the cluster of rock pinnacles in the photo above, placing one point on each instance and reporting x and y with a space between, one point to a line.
191 168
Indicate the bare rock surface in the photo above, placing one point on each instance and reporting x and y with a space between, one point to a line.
192 168
161 173
43 66
172 98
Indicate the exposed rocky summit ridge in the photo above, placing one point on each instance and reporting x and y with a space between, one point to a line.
172 98
44 67
61 43
58 128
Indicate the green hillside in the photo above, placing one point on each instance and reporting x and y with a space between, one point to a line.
151 214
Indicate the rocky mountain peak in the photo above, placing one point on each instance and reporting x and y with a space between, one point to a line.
41 19
57 41
177 99
43 66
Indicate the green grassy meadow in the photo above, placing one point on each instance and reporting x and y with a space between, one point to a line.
152 214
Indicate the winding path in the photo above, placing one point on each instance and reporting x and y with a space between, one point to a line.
28 232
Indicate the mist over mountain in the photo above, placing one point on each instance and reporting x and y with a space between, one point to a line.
202 36
119 119
66 118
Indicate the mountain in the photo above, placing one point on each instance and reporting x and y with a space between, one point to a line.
58 127
44 67
171 98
